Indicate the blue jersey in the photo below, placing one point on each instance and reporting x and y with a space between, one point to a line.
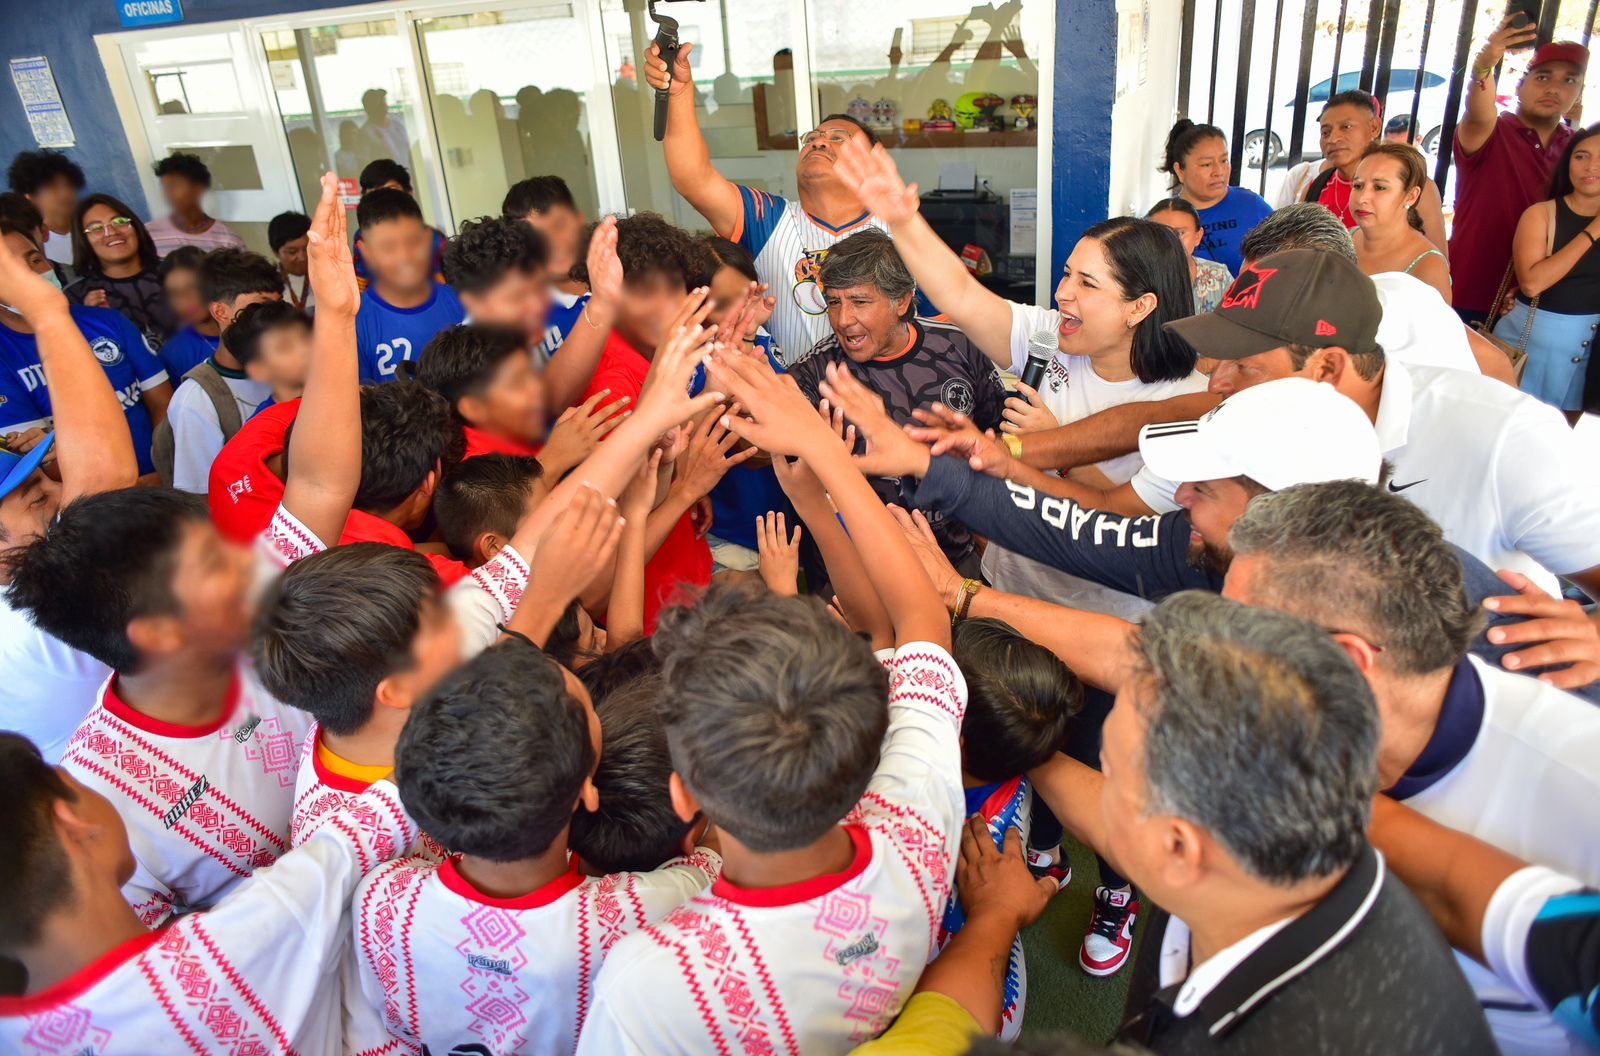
123 355
1226 224
387 336
188 349
565 311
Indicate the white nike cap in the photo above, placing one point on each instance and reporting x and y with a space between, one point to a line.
1279 434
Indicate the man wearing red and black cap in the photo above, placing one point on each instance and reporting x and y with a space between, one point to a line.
1505 161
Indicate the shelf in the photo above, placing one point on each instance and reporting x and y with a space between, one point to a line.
926 140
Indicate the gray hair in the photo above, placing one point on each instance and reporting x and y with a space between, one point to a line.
1303 225
867 258
1261 731
1352 558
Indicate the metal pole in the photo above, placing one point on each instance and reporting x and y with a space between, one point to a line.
1272 91
1422 68
1241 83
1452 104
1302 84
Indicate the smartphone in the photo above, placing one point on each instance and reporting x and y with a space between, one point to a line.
1523 13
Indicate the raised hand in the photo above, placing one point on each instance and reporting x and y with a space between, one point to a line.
26 291
706 461
746 317
1027 413
639 497
872 176
778 418
579 431
780 554
329 266
1506 38
919 533
655 69
605 268
665 400
576 547
889 451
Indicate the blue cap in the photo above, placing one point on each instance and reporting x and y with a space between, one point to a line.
15 469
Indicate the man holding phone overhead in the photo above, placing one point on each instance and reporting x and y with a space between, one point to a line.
1505 160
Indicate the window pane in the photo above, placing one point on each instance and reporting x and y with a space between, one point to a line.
499 117
347 99
952 91
744 88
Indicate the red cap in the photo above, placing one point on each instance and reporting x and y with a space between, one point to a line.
1561 51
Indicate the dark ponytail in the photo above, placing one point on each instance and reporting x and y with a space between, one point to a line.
1184 137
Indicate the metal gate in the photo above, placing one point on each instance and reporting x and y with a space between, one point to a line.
1335 45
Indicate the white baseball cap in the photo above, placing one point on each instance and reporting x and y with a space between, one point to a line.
1279 434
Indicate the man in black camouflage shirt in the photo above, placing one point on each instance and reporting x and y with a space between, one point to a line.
909 361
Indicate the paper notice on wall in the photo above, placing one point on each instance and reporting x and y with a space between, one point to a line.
41 101
1024 221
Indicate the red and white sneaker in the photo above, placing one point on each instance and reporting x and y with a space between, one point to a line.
1052 863
1110 935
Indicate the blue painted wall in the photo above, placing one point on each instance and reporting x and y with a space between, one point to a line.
1085 86
63 31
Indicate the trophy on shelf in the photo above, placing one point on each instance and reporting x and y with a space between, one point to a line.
940 117
884 112
1026 106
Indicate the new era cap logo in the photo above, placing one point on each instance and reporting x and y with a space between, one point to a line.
1246 289
1326 329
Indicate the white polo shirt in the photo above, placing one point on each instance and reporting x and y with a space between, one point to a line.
1418 328
1516 763
1498 470
1072 390
48 686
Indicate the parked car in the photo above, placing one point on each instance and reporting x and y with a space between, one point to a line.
1431 101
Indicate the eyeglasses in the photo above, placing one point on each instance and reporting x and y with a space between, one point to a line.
835 136
97 229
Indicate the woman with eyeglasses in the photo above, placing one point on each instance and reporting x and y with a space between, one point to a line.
115 258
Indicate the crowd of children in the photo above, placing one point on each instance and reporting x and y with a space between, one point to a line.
495 643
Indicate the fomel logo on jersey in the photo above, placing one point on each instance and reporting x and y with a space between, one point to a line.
957 395
865 946
808 282
106 351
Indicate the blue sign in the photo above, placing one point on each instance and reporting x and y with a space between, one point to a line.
138 13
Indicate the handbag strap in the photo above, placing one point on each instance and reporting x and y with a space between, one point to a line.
1549 249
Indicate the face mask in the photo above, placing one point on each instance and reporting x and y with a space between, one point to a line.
50 276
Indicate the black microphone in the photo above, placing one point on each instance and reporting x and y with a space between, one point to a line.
667 41
1042 348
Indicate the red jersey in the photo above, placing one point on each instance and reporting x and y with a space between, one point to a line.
482 443
683 563
244 493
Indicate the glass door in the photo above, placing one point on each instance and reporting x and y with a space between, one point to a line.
500 118
347 98
196 93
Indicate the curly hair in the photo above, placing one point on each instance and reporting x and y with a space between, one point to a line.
648 245
32 169
189 166
485 249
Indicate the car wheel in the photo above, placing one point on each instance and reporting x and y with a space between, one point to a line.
1259 142
1430 142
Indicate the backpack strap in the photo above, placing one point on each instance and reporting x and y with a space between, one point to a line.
222 399
1318 185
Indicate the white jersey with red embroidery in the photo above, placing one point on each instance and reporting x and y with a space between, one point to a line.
320 794
205 806
825 965
248 978
454 970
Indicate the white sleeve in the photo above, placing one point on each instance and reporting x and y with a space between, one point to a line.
1512 910
306 896
919 769
663 890
1549 506
1293 185
283 542
488 597
1158 493
1027 320
196 439
603 1035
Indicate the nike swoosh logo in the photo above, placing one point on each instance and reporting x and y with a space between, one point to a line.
1402 487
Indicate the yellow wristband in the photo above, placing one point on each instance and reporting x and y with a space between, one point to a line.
1013 444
